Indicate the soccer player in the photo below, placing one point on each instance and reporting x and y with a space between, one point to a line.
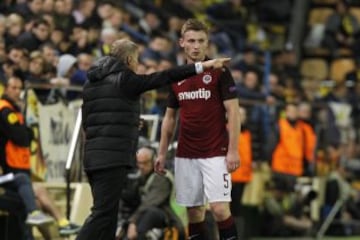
207 152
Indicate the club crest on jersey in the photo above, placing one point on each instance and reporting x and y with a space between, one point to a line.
207 78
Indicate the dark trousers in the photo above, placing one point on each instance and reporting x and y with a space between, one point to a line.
246 217
152 217
236 198
13 226
23 186
106 186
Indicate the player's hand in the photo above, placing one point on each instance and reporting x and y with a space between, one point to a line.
232 161
215 63
159 166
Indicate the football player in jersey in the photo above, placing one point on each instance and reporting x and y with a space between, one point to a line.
207 151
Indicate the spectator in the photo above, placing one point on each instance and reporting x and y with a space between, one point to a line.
11 202
230 16
16 142
286 146
342 29
292 91
62 15
46 203
275 88
3 55
248 60
49 53
2 25
250 90
328 134
16 53
174 27
60 40
153 194
7 7
84 12
160 47
79 40
78 78
48 6
36 76
7 70
30 9
36 67
23 204
14 28
310 140
115 19
104 10
149 24
38 35
107 37
15 157
274 11
284 211
67 73
290 61
339 189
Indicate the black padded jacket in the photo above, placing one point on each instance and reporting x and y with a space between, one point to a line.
111 110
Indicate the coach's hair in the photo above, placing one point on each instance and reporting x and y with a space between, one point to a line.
194 25
123 48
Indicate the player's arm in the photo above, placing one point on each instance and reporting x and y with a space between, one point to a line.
167 132
232 112
230 100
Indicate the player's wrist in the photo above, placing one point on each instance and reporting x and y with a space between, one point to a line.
199 68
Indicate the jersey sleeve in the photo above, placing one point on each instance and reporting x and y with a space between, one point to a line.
227 86
172 100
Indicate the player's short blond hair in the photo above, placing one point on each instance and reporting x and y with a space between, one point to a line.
194 25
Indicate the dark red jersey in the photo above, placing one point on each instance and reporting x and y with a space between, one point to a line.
202 132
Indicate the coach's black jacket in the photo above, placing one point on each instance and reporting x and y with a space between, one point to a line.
111 110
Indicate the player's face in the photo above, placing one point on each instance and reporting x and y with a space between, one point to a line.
195 45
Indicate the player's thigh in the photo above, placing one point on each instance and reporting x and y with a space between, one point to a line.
188 183
217 179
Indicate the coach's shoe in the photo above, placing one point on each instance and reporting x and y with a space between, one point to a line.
37 217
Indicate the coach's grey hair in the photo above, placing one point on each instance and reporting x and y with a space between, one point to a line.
123 48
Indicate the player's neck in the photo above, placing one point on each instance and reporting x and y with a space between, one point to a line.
190 60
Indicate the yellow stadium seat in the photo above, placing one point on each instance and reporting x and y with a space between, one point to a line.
340 67
356 12
314 68
319 15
